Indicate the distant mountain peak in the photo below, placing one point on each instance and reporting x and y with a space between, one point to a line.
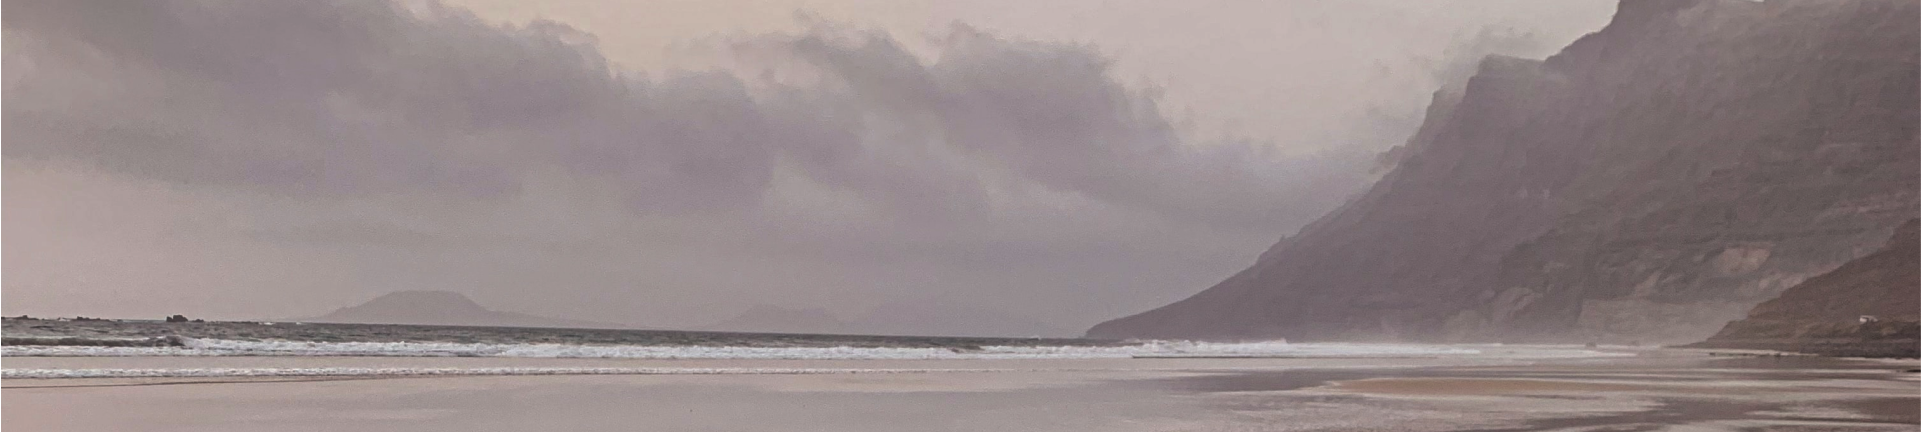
775 319
447 299
442 308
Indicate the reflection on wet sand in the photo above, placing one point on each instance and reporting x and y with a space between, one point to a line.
1656 390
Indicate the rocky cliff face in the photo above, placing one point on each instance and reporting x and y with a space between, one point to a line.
1649 183
1822 315
1886 283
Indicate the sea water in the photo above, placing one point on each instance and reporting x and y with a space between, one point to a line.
42 338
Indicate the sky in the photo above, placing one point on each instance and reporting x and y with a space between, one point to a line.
993 167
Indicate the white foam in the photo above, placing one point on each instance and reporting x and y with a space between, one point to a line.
400 372
219 347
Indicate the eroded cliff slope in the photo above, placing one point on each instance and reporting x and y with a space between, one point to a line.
1824 314
1649 183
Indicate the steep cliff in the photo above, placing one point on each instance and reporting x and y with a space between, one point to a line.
1822 315
1649 183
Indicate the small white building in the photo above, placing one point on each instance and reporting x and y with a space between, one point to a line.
1869 318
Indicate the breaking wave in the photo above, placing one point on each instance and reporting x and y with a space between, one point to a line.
163 341
409 372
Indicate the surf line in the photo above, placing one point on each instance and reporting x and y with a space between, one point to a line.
398 372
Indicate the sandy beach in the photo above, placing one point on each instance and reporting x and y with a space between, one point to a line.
1654 390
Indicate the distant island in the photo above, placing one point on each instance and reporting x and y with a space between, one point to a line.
774 319
893 318
443 308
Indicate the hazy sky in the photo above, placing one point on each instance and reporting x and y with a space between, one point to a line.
671 163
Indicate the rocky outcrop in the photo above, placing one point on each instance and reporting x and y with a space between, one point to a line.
441 308
1649 183
1870 307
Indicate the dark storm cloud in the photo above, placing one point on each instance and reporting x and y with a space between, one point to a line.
362 97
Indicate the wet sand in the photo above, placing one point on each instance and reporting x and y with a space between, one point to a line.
1660 390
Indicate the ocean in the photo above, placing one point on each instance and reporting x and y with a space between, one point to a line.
32 338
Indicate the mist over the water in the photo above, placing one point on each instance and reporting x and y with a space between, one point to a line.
271 159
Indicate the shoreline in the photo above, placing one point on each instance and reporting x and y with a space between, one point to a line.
1839 348
1655 387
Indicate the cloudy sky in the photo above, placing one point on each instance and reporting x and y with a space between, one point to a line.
998 166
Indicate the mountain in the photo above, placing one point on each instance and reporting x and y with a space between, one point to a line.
1822 315
774 319
442 308
951 319
1649 183
893 318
